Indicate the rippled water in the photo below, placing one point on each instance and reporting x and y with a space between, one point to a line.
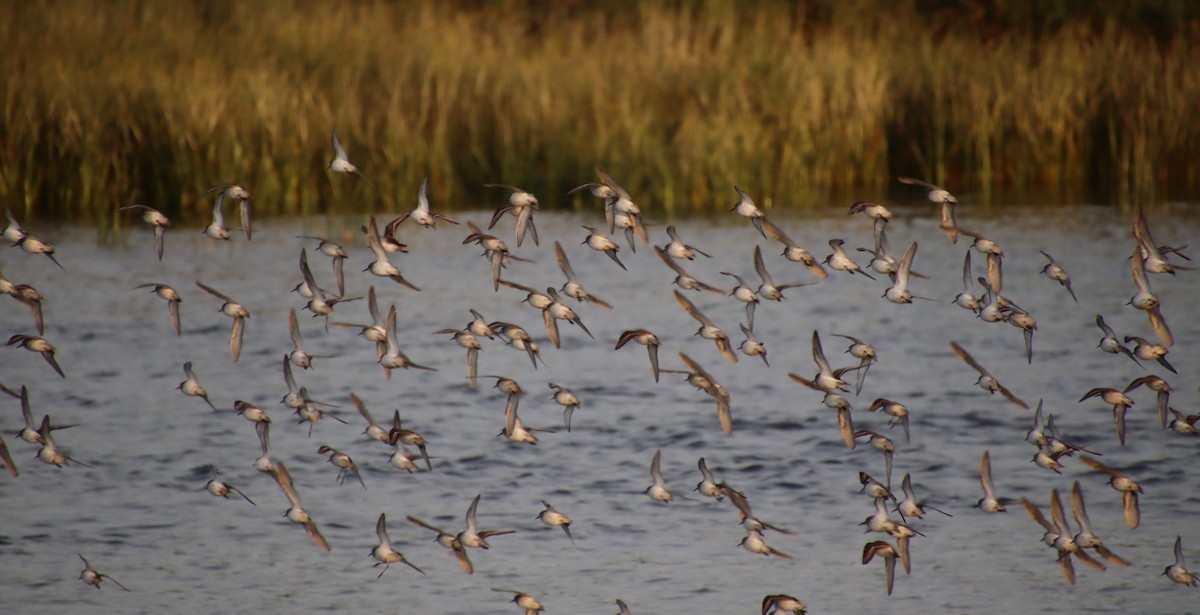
141 515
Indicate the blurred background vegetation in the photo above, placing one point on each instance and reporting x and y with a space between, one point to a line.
111 103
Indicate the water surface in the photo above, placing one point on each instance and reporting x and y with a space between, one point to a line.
141 515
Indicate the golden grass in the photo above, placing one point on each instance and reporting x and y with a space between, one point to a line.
110 103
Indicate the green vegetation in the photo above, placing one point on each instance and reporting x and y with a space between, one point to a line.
110 103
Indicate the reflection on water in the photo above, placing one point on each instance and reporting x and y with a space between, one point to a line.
141 513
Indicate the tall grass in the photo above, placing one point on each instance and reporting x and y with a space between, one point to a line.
106 104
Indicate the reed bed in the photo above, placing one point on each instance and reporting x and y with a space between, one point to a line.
111 103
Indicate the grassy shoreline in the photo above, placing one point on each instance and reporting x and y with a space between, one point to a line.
107 104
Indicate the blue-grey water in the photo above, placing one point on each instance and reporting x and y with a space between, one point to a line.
141 515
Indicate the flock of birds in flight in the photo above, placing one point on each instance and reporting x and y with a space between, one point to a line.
622 213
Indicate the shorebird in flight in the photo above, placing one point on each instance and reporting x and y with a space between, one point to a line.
792 250
472 536
1147 301
1119 402
701 379
192 387
989 503
521 205
708 330
1110 342
746 208
986 380
27 295
658 490
944 200
779 604
344 464
422 214
341 163
1122 483
154 218
385 552
879 548
171 297
296 512
37 344
683 279
339 256
236 193
381 266
222 489
550 516
523 600
1055 271
1178 571
645 338
93 577
394 358
619 208
1149 253
1086 539
234 310
574 288
601 243
676 248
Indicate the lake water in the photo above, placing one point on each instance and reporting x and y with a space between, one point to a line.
141 514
